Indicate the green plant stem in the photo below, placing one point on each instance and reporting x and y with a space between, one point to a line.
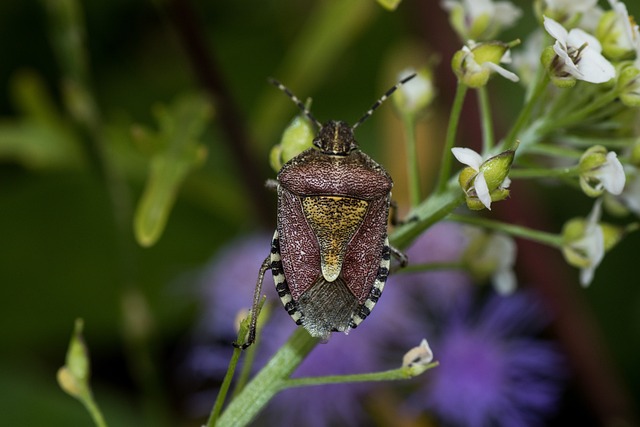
433 209
402 373
452 129
487 123
413 170
543 237
540 85
270 380
544 173
579 115
93 409
607 142
554 150
224 387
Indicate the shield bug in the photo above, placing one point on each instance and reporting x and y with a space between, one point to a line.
330 255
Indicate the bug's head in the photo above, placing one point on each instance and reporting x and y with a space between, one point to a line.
336 138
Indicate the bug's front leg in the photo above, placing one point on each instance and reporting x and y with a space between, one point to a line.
400 256
393 215
255 309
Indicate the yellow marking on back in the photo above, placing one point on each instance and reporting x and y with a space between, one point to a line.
334 220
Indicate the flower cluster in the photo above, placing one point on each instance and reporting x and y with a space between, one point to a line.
582 88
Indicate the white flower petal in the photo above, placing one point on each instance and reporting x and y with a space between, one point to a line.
502 71
631 194
467 156
556 30
449 5
577 38
593 245
482 190
477 8
570 67
594 215
504 281
420 355
586 275
506 14
595 68
506 183
612 175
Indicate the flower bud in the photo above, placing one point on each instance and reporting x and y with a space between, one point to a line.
550 61
634 156
612 37
481 21
601 170
73 378
497 168
474 64
296 138
415 95
628 84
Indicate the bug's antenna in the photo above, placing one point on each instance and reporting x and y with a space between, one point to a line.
381 100
297 101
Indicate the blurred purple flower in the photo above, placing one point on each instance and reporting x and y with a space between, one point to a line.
492 371
489 365
444 242
227 287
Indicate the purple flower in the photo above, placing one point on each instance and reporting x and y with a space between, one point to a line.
227 287
492 371
445 242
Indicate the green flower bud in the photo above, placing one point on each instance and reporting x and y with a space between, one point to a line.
474 64
634 156
73 378
628 84
497 168
296 138
389 4
612 37
551 63
574 231
601 170
466 178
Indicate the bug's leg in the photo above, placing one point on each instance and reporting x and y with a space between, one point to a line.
393 215
400 256
255 309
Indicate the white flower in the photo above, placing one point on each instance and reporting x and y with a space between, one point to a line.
591 19
585 251
416 94
480 19
568 7
579 54
617 32
592 244
474 160
630 196
611 174
492 255
503 249
470 62
630 32
418 356
479 185
601 170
